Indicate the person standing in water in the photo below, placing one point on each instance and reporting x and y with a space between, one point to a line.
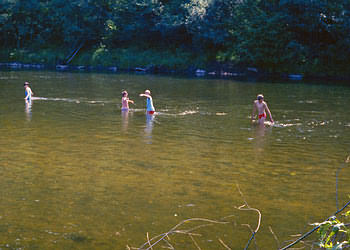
262 107
125 101
28 92
149 104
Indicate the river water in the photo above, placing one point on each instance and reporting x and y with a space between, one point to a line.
77 173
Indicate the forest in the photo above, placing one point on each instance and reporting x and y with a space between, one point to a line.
309 37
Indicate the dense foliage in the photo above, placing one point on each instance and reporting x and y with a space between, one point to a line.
305 36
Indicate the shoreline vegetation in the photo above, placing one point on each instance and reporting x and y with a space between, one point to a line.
292 39
150 62
133 60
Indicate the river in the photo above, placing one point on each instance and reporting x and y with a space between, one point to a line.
77 173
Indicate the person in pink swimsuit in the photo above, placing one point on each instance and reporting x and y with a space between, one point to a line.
262 107
125 101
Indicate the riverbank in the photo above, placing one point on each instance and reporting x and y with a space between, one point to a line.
178 62
238 73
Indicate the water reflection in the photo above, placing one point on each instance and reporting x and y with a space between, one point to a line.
125 120
28 109
149 127
261 133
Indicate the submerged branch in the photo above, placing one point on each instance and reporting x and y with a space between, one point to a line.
161 237
222 243
246 207
275 236
195 243
149 243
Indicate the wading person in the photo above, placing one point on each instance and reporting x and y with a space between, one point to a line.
149 105
262 108
125 101
28 92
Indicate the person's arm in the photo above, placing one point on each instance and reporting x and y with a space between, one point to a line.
268 111
131 101
144 95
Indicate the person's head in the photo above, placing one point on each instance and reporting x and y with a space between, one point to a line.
147 92
124 93
260 97
26 84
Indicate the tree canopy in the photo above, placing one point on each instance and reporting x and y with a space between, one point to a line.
273 35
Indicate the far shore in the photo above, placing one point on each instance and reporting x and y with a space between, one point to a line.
221 71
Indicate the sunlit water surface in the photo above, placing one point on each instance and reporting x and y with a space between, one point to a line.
77 173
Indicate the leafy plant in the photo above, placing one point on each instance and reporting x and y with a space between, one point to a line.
333 233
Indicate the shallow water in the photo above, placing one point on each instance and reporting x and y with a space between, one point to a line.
77 173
